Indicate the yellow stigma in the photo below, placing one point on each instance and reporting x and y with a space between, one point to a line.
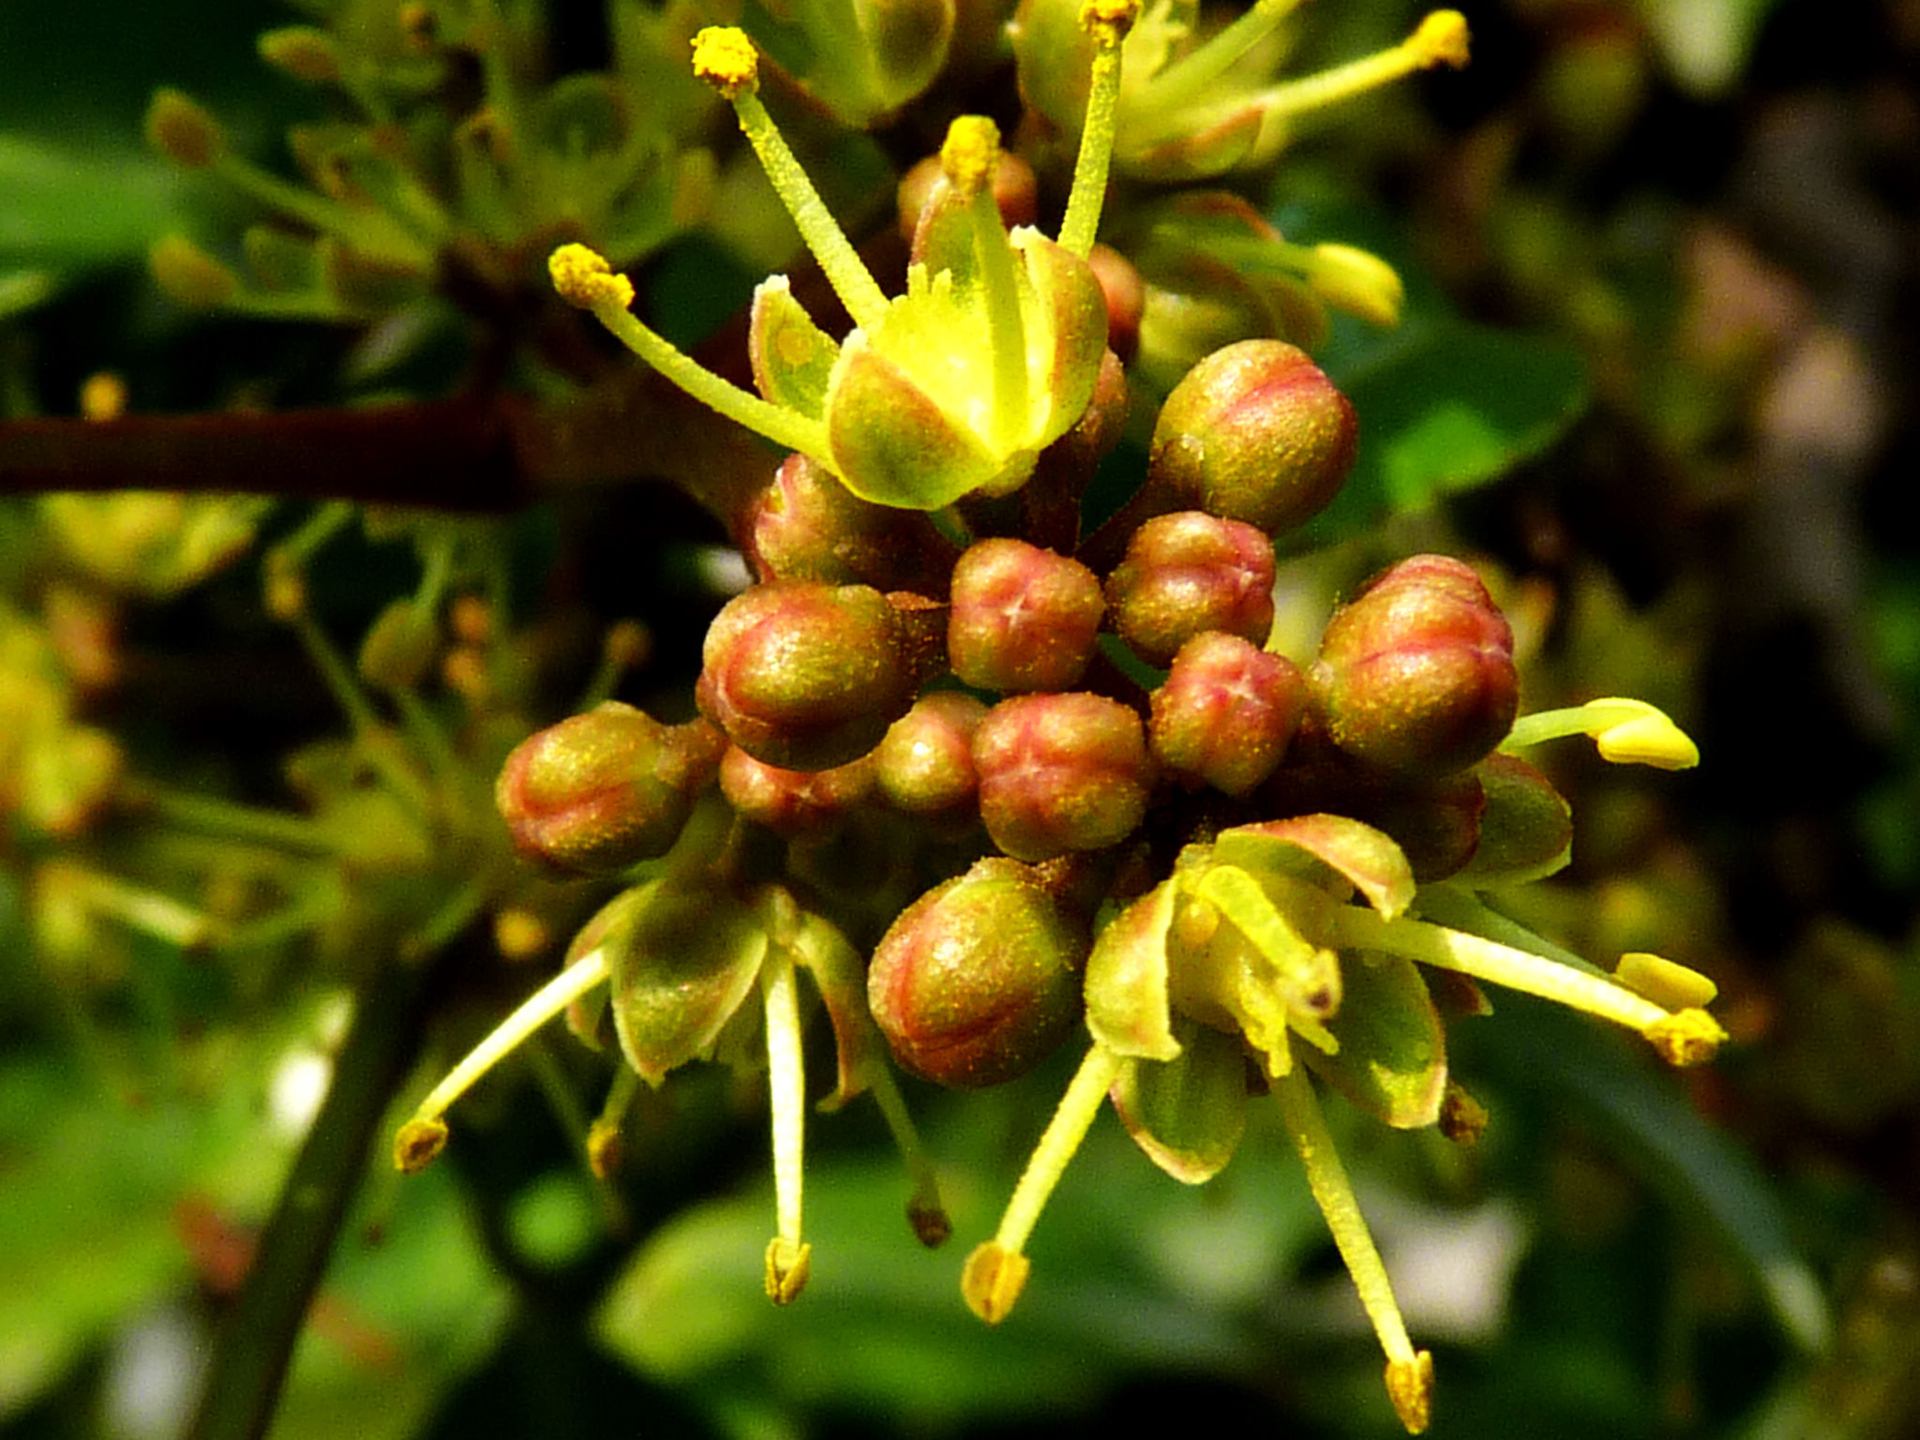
1687 1037
1410 1387
724 57
1664 982
969 153
584 278
1108 21
1441 39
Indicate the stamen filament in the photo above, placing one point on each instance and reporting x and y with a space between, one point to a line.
1006 330
1109 21
1440 39
786 1083
1628 732
866 302
925 1211
604 1145
1194 72
1333 1193
1064 1132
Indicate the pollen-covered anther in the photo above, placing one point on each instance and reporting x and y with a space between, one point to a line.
417 1144
993 1279
1463 1119
969 153
1686 1037
1410 1387
1109 20
1441 39
789 1263
584 278
1664 981
724 57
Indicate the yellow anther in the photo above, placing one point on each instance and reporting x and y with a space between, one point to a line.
788 1266
183 130
1463 1119
724 57
1108 21
418 1142
1664 982
520 934
1410 1387
103 396
992 1279
1441 39
1687 1037
969 153
584 278
605 1149
1359 281
1647 738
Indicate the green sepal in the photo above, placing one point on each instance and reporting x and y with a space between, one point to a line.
680 963
1188 1113
1126 984
891 442
1305 976
1071 310
792 357
1392 1060
817 946
1301 846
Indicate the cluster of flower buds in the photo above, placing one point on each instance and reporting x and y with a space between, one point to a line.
1099 795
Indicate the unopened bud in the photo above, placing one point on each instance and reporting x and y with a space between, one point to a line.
304 52
399 647
600 791
1416 672
978 980
806 525
1016 191
189 275
1188 573
1060 773
925 764
1526 828
1023 618
183 130
1255 432
793 802
1226 713
1126 294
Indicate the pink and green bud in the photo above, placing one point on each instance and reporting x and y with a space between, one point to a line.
1226 713
979 979
1416 672
1126 294
793 802
806 525
1255 432
808 676
1016 192
1187 574
1526 830
924 766
604 790
1023 618
1060 773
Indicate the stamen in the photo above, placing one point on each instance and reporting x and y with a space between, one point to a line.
968 157
605 1148
925 1211
724 57
997 1270
1440 39
422 1137
584 278
1108 21
1194 73
1409 1373
1664 981
788 1256
1628 732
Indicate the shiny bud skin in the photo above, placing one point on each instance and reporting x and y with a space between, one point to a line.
1416 672
1023 618
1226 713
806 525
793 802
924 766
807 676
1255 432
1060 773
601 791
978 980
1189 573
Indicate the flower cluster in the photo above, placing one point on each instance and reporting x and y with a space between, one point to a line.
990 781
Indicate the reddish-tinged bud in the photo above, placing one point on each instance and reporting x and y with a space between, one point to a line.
1416 672
1255 432
806 525
600 791
1226 713
1527 826
1126 296
978 980
1189 573
807 676
1061 773
1023 618
1016 191
793 802
925 764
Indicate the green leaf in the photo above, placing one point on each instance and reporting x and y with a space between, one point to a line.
1187 1114
1392 1060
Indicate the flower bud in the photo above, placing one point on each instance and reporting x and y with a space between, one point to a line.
979 979
1061 773
1016 192
1255 432
183 130
1416 672
600 791
793 802
1188 573
925 764
1126 294
806 525
305 52
189 275
1526 828
1227 712
807 676
1023 618
399 647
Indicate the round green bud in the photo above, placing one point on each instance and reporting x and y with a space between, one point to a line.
1189 573
1060 773
1226 713
978 980
1416 672
1255 432
924 766
601 791
1023 618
